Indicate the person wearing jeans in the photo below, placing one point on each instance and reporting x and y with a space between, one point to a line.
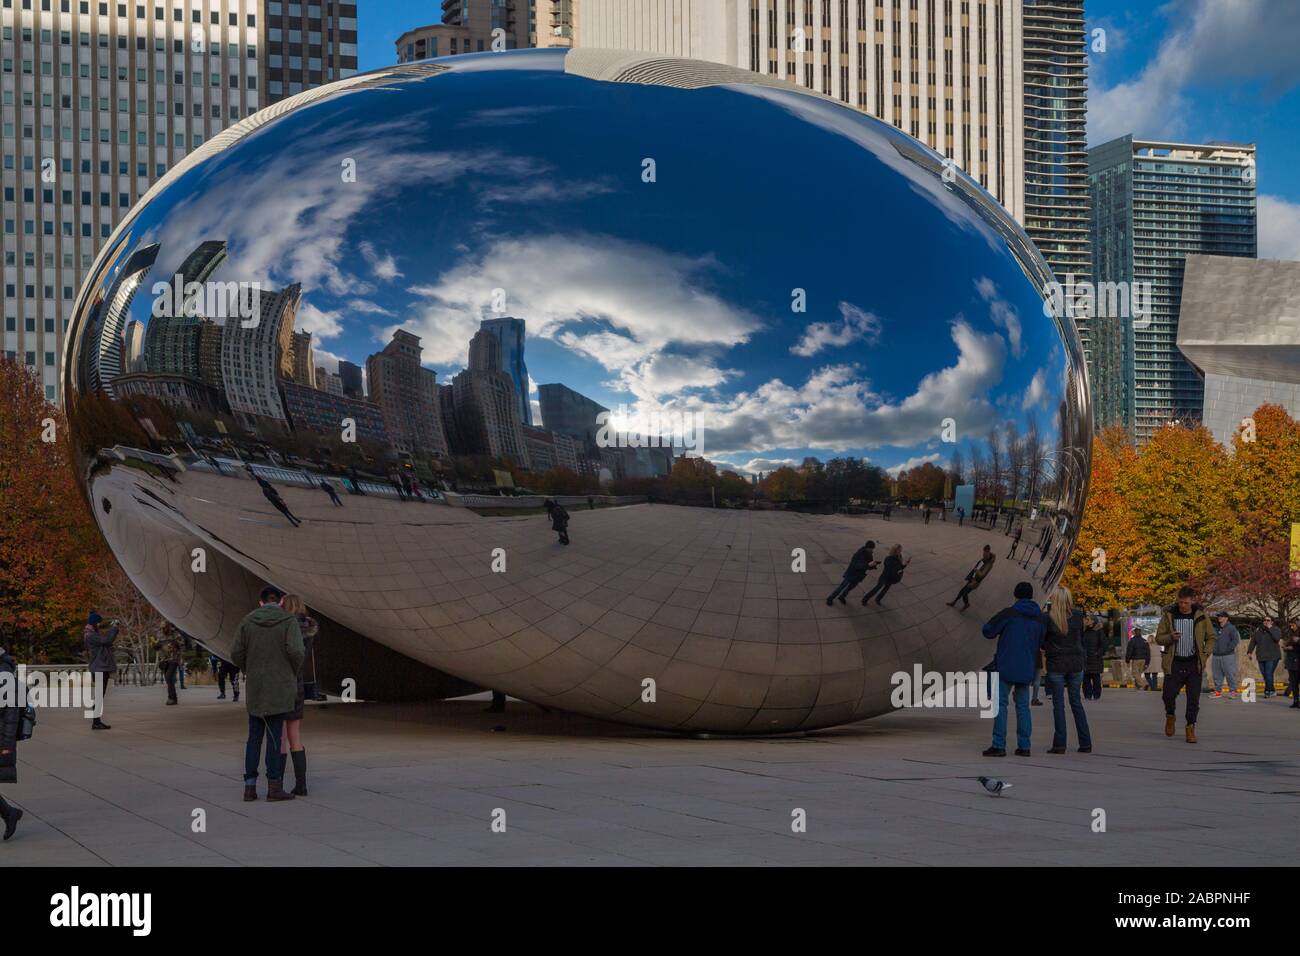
1019 631
1063 652
1265 645
269 649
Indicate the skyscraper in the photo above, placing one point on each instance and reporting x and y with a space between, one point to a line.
571 413
350 372
407 394
487 408
254 357
1056 139
509 333
304 360
101 99
171 343
1153 203
946 71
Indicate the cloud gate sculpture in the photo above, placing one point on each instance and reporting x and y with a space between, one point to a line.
581 376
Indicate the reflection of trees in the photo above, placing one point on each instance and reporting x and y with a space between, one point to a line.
99 422
835 482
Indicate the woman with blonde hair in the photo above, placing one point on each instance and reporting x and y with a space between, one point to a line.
291 740
1063 651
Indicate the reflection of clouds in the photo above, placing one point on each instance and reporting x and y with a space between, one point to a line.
384 266
506 116
321 324
757 466
619 302
837 411
292 224
895 470
1036 392
1003 313
366 307
854 325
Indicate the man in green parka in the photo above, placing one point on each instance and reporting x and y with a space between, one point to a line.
269 650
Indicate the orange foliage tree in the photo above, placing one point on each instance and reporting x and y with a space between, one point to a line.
50 551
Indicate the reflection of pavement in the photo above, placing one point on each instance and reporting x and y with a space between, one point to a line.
417 785
703 601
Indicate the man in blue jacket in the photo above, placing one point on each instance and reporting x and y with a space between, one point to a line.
1019 631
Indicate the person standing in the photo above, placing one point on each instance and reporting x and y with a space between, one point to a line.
1223 662
102 662
9 720
227 671
1137 658
1019 631
1266 646
559 519
1185 632
273 496
1153 669
293 720
1015 541
974 577
890 575
169 660
925 513
1063 651
1094 654
855 573
961 516
1292 648
269 650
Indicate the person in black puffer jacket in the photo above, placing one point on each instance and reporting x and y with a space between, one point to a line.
1094 653
9 717
1063 652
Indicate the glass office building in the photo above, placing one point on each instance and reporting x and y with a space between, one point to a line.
1153 204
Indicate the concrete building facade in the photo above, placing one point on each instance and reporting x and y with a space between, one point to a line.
407 393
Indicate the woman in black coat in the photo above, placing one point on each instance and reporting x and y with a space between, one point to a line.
9 717
1094 652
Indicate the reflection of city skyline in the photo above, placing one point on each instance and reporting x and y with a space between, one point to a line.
260 373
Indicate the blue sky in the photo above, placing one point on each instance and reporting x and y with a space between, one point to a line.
1187 69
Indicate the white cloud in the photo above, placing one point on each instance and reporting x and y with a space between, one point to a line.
854 325
1036 391
1216 41
321 324
1003 313
382 264
911 463
367 307
1279 229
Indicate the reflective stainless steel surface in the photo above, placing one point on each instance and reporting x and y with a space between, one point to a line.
762 273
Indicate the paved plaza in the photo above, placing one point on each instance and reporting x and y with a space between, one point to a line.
418 784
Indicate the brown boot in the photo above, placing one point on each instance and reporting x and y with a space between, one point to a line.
1169 725
250 792
1191 733
275 791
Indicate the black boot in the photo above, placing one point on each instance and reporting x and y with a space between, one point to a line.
10 815
299 758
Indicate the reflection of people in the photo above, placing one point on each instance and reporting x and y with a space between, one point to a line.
328 488
498 705
102 663
1015 541
277 502
1186 634
974 577
1019 631
855 573
925 513
268 648
890 575
961 516
559 519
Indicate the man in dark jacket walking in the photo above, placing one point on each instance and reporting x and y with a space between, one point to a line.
1137 657
169 659
1019 631
9 718
1266 646
273 496
98 639
559 519
890 575
855 573
269 650
1094 654
1185 633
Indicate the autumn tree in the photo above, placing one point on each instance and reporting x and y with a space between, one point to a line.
49 547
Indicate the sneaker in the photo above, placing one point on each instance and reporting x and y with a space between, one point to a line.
995 752
221 697
100 725
1217 694
1056 750
1021 752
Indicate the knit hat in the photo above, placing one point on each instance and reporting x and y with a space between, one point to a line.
94 618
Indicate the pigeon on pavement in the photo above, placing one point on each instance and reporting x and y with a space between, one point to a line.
993 786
